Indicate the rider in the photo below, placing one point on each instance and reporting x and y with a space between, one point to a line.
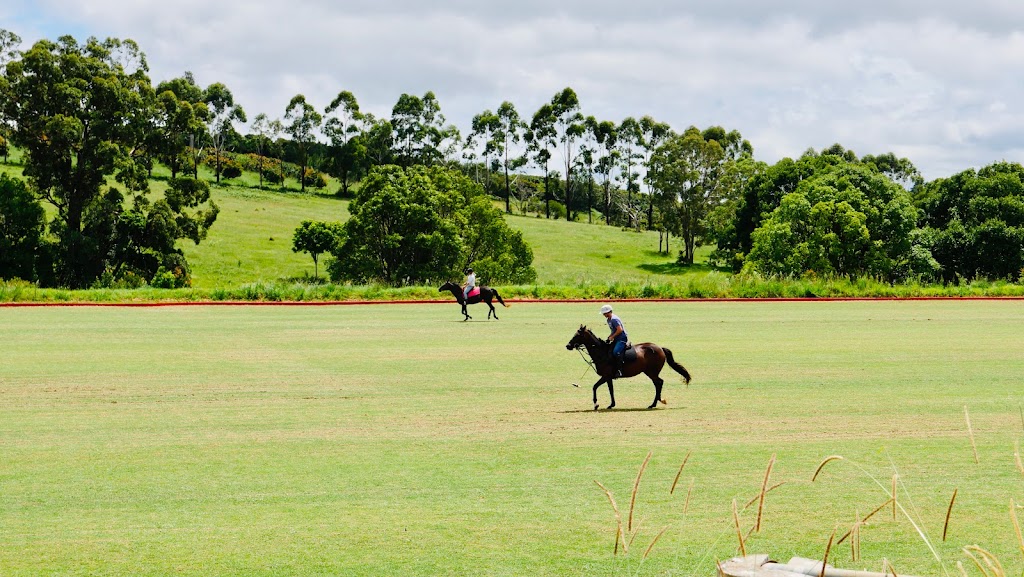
618 337
469 284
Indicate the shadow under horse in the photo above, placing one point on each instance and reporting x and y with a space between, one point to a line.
649 359
486 295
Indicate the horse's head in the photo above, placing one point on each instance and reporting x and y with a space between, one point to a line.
447 286
582 337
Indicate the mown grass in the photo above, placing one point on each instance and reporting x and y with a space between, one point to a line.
395 439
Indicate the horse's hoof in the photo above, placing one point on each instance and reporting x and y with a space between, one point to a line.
610 407
663 401
595 406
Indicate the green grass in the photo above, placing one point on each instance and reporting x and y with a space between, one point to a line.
395 440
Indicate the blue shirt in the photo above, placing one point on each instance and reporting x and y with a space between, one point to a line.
615 321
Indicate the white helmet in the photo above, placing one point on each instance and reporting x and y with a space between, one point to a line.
606 309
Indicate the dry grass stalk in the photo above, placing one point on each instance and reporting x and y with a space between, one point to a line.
651 546
618 519
758 496
887 568
686 504
855 541
636 487
828 549
639 526
960 566
739 532
823 463
894 477
764 489
990 560
1016 525
864 520
1016 456
945 526
685 459
970 431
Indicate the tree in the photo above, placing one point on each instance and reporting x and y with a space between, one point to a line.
305 120
974 221
606 135
847 220
510 132
687 170
396 234
262 130
22 221
630 142
653 133
9 43
420 133
180 113
568 124
423 224
316 238
221 117
81 115
484 127
541 138
342 127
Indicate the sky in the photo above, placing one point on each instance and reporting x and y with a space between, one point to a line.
937 82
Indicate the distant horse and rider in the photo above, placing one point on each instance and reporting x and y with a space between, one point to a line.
646 358
476 295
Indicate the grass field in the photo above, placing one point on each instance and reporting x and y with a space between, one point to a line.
395 440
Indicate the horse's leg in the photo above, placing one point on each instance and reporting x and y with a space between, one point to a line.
492 311
658 382
466 314
611 393
598 384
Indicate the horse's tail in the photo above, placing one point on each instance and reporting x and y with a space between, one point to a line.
498 296
676 366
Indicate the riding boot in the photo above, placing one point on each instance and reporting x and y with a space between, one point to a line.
618 367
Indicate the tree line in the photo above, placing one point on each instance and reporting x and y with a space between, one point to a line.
86 113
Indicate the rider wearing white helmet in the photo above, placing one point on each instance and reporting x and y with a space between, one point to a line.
618 338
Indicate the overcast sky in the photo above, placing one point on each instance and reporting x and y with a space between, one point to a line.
939 82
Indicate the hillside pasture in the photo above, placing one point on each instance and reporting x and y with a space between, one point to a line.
397 440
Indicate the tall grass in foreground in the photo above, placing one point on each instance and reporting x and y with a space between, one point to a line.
986 562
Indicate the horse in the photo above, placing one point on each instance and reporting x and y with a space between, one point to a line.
486 294
649 359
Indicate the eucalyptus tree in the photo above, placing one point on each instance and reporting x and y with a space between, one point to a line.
378 136
510 132
588 157
9 44
420 133
180 113
541 137
606 135
630 146
261 131
484 126
221 117
653 133
305 120
81 113
342 127
568 121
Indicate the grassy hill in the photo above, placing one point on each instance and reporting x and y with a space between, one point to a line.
252 240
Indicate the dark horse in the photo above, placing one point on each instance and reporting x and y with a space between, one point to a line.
486 295
650 358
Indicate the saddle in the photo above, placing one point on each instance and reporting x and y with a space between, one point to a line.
474 293
629 355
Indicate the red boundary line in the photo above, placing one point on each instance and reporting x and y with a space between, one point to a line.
424 302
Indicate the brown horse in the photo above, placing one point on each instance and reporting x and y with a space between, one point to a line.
487 294
650 358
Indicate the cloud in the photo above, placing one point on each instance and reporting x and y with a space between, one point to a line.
930 82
